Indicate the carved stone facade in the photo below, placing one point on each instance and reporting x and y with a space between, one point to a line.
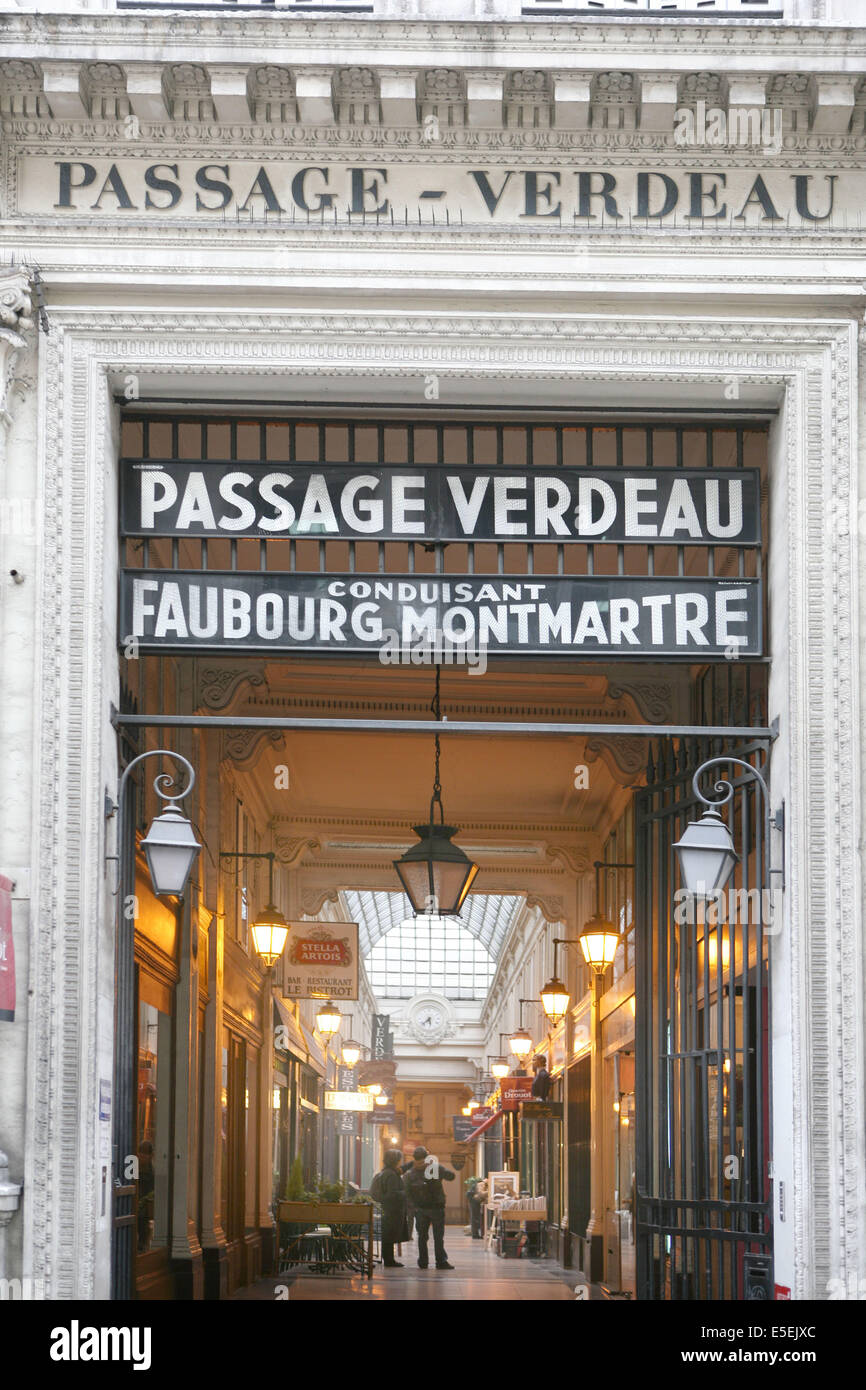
633 318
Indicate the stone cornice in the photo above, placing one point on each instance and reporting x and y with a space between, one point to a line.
567 42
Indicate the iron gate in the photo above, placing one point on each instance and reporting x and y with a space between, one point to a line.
703 1096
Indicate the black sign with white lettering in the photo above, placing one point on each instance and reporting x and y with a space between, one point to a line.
686 506
395 617
382 1039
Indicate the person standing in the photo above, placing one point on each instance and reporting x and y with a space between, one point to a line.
541 1081
387 1189
424 1190
474 1198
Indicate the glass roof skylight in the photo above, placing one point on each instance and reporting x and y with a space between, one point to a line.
487 916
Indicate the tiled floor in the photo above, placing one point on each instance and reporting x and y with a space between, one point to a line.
478 1276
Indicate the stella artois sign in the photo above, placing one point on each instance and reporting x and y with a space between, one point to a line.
321 961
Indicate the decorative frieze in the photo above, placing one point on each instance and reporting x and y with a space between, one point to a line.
457 98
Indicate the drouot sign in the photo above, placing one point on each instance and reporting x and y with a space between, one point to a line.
124 184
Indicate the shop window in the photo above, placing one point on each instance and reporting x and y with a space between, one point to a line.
154 1128
224 1132
251 1136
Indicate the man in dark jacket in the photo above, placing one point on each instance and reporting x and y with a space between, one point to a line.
387 1189
541 1082
424 1189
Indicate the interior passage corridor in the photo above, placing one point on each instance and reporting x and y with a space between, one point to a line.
479 1275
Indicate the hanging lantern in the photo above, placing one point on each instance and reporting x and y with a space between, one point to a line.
328 1019
171 849
270 932
520 1043
599 940
351 1053
554 1000
706 854
436 875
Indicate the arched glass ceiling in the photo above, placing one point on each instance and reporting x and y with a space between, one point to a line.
487 916
430 953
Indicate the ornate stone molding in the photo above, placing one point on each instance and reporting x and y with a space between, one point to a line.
187 138
15 318
653 698
314 899
243 747
291 851
625 758
577 862
217 686
550 905
174 37
815 687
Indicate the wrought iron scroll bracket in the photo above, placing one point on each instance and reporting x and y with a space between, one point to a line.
773 820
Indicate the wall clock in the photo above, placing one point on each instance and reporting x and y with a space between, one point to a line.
429 1021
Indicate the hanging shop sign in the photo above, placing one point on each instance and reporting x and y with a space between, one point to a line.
392 616
483 1112
348 1100
515 1090
541 1110
7 954
381 1037
463 1126
686 506
321 961
347 1123
383 1114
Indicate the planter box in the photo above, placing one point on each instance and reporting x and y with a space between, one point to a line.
324 1213
337 1248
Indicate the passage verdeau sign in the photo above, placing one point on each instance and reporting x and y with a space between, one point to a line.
686 506
321 960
